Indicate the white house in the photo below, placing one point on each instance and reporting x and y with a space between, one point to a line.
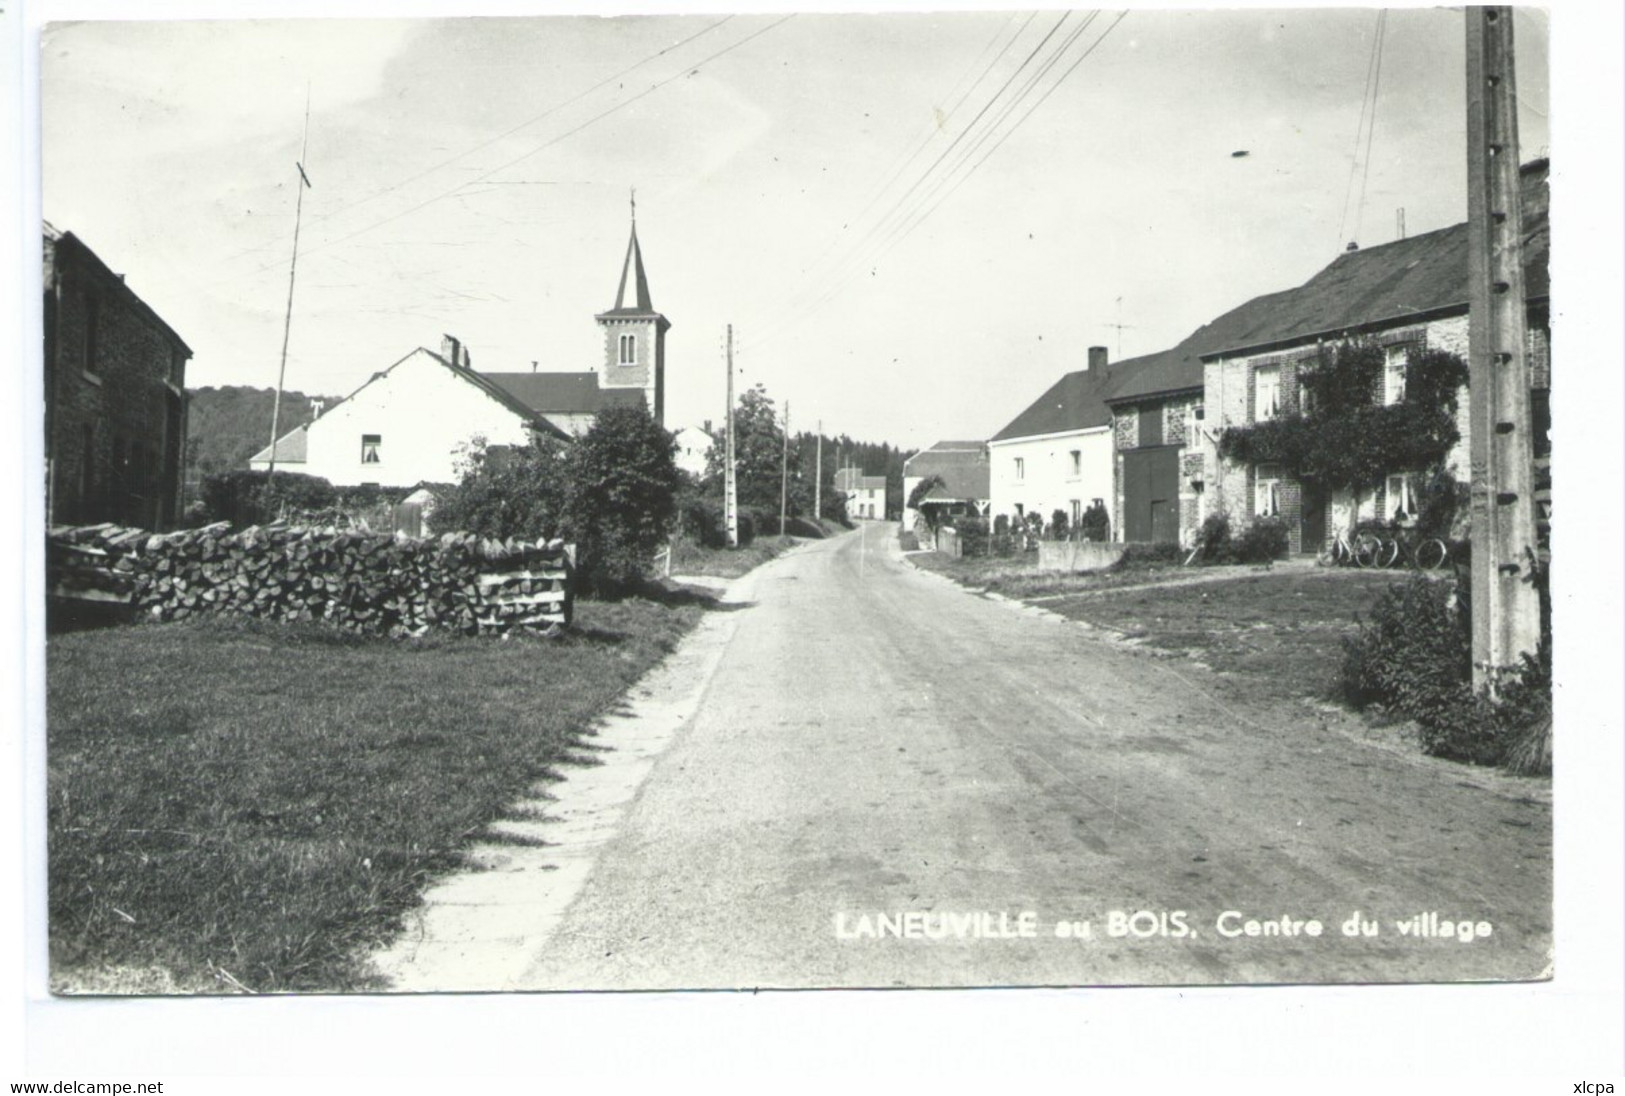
1057 454
865 495
693 448
962 468
411 422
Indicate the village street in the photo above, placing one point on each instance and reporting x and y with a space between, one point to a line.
874 740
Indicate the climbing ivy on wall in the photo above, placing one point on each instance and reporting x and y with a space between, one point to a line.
1349 439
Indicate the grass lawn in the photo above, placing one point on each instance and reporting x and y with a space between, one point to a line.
265 800
693 559
1274 634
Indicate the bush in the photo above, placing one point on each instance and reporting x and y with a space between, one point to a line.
1001 525
1264 540
1139 554
1214 539
253 497
1413 657
1058 525
1096 524
622 483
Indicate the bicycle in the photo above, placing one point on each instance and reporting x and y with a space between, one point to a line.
1363 551
1391 547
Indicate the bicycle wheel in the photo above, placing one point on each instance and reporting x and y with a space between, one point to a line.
1366 548
1388 552
1432 554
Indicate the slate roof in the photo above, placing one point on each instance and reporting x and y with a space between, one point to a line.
562 393
1075 402
290 448
963 468
632 295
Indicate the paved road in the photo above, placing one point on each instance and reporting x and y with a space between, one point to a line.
875 741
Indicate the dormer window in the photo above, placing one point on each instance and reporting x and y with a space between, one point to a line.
629 350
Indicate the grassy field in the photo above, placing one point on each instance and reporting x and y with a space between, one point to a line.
238 802
1272 634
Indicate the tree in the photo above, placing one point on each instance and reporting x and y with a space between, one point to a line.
621 499
508 491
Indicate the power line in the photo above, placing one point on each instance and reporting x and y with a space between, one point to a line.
1367 104
688 70
858 248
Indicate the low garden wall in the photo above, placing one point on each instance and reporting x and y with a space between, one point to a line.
364 582
1077 555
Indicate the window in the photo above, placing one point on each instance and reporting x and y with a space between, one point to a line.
1267 491
1021 468
629 350
370 444
1077 512
1077 463
1401 501
1266 393
1396 358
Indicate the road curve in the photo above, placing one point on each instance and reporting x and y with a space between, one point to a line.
885 773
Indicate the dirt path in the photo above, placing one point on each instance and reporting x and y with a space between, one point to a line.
875 741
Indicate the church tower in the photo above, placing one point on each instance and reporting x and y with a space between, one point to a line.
635 334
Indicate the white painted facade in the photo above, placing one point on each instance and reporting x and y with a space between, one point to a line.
1049 472
693 448
423 414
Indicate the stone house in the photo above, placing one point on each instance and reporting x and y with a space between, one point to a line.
115 395
1406 296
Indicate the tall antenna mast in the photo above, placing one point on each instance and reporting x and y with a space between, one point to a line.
293 267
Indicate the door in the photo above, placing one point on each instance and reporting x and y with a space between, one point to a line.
1312 522
1151 494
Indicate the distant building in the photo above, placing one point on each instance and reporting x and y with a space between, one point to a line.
412 422
693 448
115 395
962 468
865 495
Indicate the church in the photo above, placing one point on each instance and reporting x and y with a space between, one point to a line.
412 421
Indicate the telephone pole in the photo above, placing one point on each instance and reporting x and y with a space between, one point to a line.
1505 602
293 266
784 470
818 476
730 483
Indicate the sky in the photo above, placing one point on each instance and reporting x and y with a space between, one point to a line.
472 177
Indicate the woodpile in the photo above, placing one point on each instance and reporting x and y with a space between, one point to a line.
357 581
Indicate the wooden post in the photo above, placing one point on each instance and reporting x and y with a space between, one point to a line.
1505 605
293 266
818 476
784 470
730 484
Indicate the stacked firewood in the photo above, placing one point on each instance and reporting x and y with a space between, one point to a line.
357 581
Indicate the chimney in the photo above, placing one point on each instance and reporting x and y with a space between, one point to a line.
1097 358
533 366
449 348
316 405
467 361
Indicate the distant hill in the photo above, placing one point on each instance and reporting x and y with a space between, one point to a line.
227 425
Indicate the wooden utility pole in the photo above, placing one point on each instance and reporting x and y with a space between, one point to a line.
293 266
818 476
1506 604
784 470
730 483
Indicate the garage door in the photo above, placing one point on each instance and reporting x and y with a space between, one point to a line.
1151 494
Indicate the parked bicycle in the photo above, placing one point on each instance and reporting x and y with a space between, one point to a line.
1364 549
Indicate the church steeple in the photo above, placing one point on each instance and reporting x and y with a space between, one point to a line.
634 333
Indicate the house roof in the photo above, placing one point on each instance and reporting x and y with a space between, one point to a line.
290 448
562 393
55 238
1371 288
964 472
1379 286
1075 402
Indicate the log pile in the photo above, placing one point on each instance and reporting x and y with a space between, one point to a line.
360 582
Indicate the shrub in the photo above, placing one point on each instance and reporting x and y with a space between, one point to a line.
1264 540
622 483
507 491
1001 525
1413 657
1214 539
1058 525
253 497
1095 524
1139 554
